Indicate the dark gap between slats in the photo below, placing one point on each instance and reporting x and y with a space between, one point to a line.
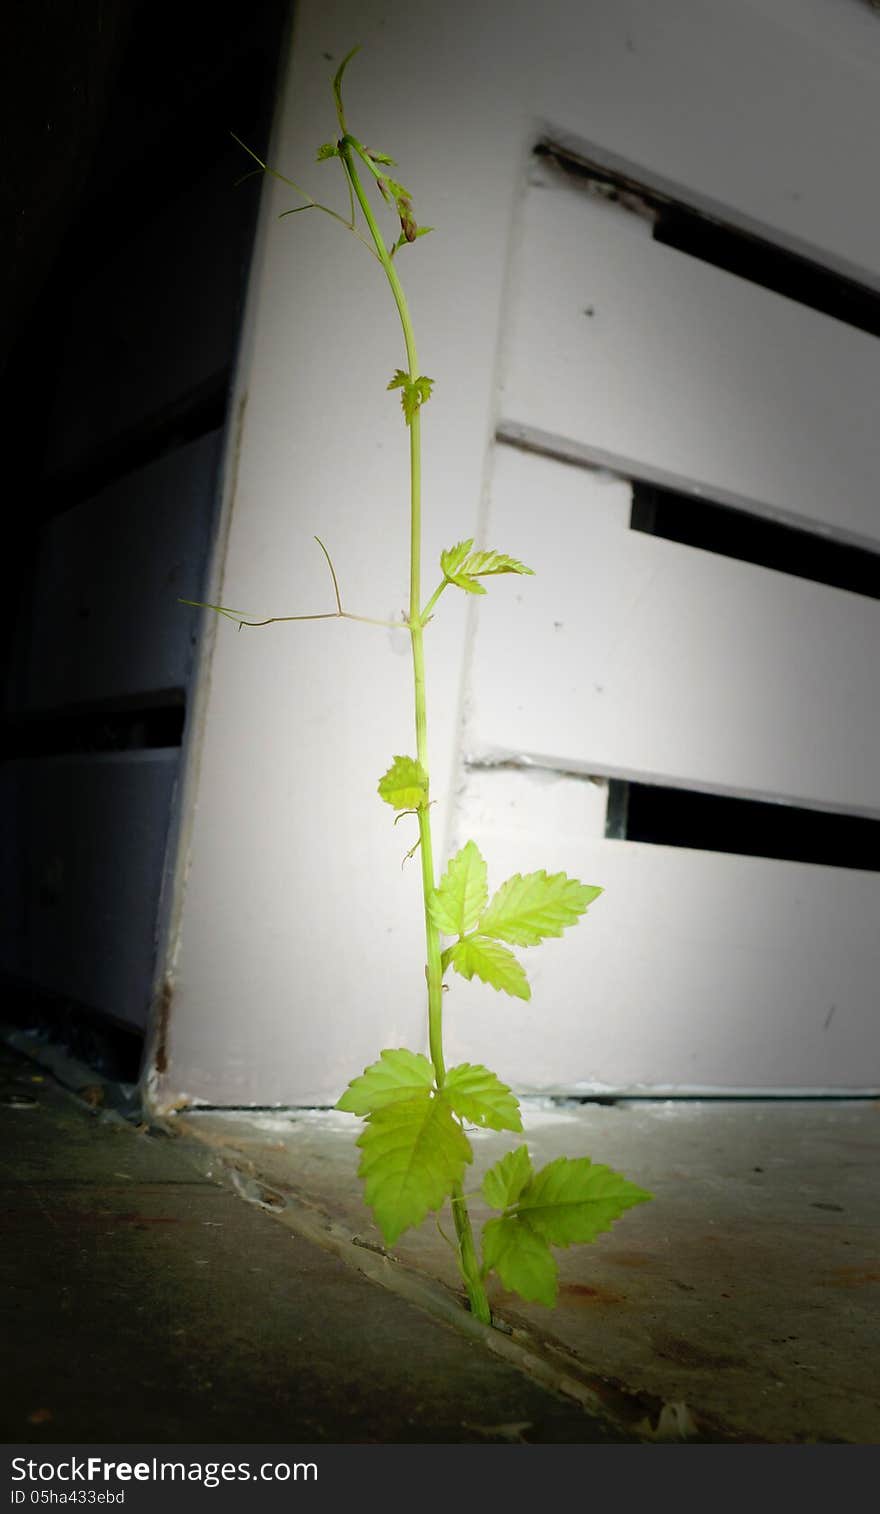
748 827
82 731
738 533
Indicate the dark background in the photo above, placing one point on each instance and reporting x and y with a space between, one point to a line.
126 249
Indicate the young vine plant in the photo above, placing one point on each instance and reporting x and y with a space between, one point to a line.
416 1111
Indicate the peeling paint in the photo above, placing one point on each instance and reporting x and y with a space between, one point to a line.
163 1013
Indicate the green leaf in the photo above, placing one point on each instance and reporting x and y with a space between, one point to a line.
380 157
461 893
463 567
327 150
405 785
416 395
521 1259
477 1095
397 1076
527 908
481 564
492 963
413 1155
571 1200
503 1183
470 585
452 559
413 392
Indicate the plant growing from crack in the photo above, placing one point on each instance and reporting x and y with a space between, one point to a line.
416 1111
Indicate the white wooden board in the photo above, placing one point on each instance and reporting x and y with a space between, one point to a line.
694 971
628 654
106 617
684 372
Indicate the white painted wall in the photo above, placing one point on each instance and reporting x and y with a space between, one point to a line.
297 949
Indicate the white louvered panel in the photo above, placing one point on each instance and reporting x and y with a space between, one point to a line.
686 372
630 654
693 971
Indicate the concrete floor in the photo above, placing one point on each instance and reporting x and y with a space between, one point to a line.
146 1302
142 1302
745 1298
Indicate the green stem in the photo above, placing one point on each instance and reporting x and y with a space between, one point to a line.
470 1265
434 972
426 613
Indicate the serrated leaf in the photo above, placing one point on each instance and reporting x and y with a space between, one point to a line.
464 568
477 1095
503 1183
461 893
423 387
470 585
413 392
529 907
327 150
452 559
481 564
405 785
521 1259
397 1076
413 1155
493 964
571 1201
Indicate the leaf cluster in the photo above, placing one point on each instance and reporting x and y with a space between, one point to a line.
414 1147
570 1201
415 1152
377 163
524 911
413 392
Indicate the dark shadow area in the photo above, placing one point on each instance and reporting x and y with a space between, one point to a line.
717 823
126 253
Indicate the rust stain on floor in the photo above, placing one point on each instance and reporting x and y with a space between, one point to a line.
851 1277
584 1293
673 1349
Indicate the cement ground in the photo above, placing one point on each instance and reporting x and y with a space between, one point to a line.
147 1302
